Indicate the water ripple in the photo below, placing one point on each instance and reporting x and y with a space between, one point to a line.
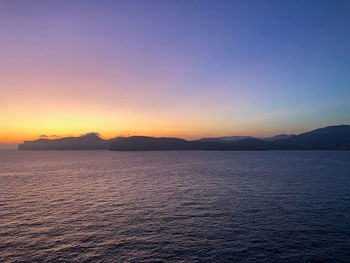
100 206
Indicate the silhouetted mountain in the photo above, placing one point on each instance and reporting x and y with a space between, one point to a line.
329 138
144 143
141 143
238 138
90 141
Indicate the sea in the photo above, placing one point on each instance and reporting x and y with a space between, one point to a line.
175 206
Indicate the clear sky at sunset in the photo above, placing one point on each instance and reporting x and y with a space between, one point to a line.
188 69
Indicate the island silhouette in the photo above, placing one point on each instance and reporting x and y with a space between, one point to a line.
328 138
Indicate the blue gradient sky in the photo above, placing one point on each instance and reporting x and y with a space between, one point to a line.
173 68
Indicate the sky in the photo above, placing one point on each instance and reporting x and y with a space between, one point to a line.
185 69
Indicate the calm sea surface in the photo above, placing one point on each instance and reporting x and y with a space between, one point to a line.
182 206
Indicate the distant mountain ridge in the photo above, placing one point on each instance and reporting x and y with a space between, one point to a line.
238 138
89 141
328 138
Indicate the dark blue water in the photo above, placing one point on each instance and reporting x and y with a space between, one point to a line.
193 206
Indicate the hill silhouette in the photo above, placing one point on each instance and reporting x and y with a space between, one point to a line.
328 138
89 141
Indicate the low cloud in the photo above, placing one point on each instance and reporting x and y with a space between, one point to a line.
66 135
49 136
95 133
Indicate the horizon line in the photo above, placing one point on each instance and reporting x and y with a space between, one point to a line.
52 137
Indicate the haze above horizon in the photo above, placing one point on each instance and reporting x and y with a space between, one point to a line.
186 69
